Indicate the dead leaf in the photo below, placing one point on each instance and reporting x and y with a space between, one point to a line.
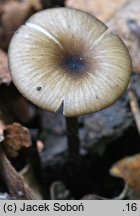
12 15
102 9
129 169
134 105
36 4
126 24
16 137
4 71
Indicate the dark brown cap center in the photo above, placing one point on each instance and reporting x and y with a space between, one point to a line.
74 63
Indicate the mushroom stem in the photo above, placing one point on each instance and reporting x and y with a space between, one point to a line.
72 136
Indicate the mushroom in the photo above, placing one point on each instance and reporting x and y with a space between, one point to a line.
65 60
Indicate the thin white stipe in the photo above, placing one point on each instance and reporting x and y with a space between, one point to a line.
44 31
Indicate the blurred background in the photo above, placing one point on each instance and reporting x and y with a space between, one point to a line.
34 161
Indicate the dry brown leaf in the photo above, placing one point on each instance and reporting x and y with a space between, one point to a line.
4 71
12 15
127 25
129 169
102 9
16 137
36 4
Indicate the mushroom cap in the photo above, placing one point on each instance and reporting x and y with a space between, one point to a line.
65 58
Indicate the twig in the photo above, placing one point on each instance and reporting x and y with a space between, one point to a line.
134 106
14 181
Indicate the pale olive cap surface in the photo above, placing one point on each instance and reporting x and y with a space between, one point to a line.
67 58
